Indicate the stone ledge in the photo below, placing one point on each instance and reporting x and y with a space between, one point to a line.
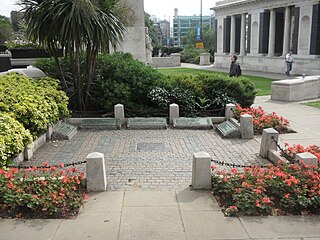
147 123
192 123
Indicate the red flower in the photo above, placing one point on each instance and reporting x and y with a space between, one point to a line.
266 200
35 197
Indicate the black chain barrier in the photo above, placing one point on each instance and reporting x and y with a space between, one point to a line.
284 153
223 163
44 167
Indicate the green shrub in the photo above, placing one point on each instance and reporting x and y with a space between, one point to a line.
191 54
35 103
121 79
13 137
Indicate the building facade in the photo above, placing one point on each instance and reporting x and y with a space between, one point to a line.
163 28
262 32
182 24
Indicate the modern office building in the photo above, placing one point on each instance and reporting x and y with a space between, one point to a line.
163 27
182 24
262 32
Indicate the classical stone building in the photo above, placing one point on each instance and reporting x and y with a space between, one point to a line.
261 32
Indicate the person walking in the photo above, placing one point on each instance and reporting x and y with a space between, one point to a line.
235 70
289 61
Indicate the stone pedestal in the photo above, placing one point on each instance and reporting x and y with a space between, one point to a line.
267 143
308 158
173 112
201 171
176 58
119 113
204 59
230 109
96 173
246 126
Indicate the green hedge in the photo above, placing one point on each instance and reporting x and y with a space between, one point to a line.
13 137
35 103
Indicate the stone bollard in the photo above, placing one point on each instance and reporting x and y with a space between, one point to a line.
173 112
119 113
96 173
308 158
267 143
230 109
201 171
176 59
246 126
204 59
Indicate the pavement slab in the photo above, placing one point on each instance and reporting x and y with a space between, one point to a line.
150 199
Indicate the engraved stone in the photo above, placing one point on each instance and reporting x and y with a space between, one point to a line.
64 131
228 130
101 123
193 123
147 123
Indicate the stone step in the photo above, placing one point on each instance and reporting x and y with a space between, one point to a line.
64 132
192 123
100 123
228 130
147 123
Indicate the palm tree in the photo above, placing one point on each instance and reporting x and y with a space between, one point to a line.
81 27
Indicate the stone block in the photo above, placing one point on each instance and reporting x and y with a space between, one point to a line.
173 112
49 132
204 59
119 113
100 123
267 143
39 142
176 59
216 120
246 126
29 72
201 171
228 130
28 151
96 173
65 132
308 158
192 123
230 108
147 123
274 157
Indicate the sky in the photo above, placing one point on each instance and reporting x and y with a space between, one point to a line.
162 9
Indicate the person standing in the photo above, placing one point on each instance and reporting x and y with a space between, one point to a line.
289 61
235 70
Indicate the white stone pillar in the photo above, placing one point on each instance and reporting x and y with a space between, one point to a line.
201 171
219 33
286 34
246 126
243 35
173 112
272 32
308 158
204 59
267 143
119 113
230 109
233 35
96 173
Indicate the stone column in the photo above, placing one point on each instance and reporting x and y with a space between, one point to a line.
204 59
243 35
272 32
173 112
119 113
269 136
286 34
308 159
233 35
201 171
230 109
246 126
96 173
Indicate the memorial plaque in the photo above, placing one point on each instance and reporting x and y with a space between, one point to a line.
101 123
193 123
147 123
64 131
228 130
144 146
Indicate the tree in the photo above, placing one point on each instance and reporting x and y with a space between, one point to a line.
153 32
6 31
82 28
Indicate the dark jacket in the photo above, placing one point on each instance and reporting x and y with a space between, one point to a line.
235 70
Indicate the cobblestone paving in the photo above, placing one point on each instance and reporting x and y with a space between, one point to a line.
149 159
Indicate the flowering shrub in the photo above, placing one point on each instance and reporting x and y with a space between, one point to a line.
284 188
291 151
261 120
47 192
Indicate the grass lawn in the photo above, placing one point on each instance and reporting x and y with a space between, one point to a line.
315 104
263 85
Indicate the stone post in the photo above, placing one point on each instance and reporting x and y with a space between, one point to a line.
233 35
286 34
204 59
173 112
272 32
308 158
267 143
246 126
230 109
119 113
243 35
176 58
201 171
96 173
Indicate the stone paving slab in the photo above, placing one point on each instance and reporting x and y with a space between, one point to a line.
33 229
165 164
150 199
282 226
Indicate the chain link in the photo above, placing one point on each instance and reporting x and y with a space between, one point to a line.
43 167
284 153
223 163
